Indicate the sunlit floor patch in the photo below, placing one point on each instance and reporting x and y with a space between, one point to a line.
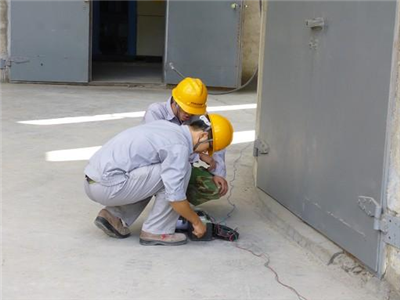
84 119
86 153
243 137
71 154
117 116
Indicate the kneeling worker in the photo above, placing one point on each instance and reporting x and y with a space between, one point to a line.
187 102
152 159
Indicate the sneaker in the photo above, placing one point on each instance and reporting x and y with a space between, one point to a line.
174 239
111 225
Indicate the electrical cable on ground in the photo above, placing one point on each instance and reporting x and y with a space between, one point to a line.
277 279
332 259
232 186
262 255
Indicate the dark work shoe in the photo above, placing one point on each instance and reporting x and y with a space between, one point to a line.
111 225
174 239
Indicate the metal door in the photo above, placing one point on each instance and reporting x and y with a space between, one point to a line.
203 40
50 41
325 95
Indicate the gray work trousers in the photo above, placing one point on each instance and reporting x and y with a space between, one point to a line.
128 199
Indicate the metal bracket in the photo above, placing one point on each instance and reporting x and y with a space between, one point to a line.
235 5
372 209
385 223
316 23
3 63
370 206
7 62
392 235
260 147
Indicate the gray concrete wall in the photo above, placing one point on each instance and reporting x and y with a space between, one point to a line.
393 198
260 62
3 27
4 4
250 38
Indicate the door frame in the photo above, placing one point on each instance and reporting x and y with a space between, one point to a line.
382 248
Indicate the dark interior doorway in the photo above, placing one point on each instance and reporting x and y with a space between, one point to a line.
128 40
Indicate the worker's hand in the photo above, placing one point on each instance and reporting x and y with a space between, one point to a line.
208 160
183 208
222 184
199 229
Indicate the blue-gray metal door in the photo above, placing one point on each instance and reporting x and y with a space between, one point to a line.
325 95
50 41
203 40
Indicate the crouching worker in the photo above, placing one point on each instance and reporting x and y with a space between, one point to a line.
187 102
151 160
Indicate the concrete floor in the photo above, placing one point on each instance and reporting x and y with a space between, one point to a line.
52 250
127 72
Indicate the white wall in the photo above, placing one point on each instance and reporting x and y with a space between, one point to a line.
150 28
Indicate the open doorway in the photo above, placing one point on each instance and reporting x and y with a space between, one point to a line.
128 40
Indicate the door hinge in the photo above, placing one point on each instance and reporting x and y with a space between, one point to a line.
3 63
387 224
7 62
260 147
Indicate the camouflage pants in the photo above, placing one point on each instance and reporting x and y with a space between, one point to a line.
201 187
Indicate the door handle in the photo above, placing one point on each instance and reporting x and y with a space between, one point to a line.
234 5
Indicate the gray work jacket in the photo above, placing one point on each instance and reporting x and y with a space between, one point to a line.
163 111
159 142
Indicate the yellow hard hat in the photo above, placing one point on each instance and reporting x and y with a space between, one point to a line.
191 96
222 133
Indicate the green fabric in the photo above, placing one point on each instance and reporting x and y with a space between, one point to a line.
201 187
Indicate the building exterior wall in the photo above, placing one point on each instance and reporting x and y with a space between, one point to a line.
3 27
393 193
250 38
260 62
4 37
250 35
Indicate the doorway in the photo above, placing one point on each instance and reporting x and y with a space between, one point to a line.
128 40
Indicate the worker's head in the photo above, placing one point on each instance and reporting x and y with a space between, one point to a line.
189 98
211 133
179 112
